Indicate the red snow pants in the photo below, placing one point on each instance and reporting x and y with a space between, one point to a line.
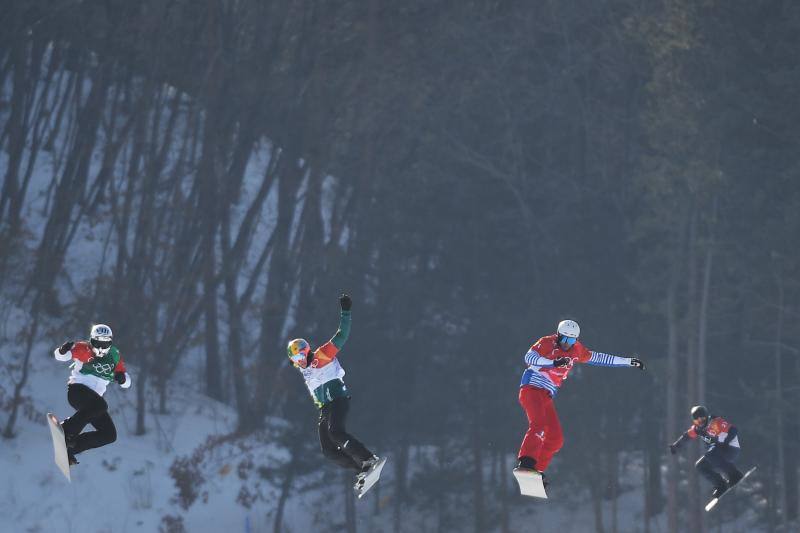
544 437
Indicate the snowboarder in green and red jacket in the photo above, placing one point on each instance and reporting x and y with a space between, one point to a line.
323 375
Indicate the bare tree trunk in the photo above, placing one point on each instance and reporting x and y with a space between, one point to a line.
286 488
597 507
401 479
672 399
16 398
702 333
504 493
780 451
614 478
141 400
694 503
277 294
646 481
208 207
478 493
349 503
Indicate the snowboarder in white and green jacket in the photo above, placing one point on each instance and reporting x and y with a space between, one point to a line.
95 364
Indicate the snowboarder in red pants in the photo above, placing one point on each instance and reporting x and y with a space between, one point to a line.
549 362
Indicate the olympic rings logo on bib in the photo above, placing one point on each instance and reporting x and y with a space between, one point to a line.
103 368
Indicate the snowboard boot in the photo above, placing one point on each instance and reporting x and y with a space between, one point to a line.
529 464
526 463
71 457
70 441
366 468
368 465
735 478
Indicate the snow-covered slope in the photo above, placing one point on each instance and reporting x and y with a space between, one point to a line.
122 487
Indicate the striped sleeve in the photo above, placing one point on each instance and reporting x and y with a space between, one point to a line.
604 359
532 358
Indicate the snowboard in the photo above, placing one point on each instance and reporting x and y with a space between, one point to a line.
59 445
530 483
371 478
710 505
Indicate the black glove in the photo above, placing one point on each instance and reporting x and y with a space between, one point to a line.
561 361
637 363
673 449
119 377
345 302
64 348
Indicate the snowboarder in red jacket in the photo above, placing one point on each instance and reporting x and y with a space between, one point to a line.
722 439
549 362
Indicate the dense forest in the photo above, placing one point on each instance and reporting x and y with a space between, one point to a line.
218 172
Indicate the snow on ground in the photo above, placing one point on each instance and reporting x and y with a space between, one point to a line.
122 487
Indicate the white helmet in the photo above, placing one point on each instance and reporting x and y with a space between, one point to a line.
569 328
100 338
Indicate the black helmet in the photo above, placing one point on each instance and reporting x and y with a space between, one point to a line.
699 411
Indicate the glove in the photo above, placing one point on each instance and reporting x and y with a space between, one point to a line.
561 361
637 363
673 449
64 348
119 377
345 302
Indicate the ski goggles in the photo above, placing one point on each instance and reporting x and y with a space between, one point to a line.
100 344
299 358
569 341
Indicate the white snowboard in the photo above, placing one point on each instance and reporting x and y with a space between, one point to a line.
59 445
530 483
714 501
371 478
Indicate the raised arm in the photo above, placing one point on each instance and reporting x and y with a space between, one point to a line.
327 352
345 319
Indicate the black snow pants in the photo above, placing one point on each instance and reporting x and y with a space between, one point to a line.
338 445
718 459
90 408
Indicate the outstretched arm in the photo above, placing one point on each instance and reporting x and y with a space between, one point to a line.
604 359
673 448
